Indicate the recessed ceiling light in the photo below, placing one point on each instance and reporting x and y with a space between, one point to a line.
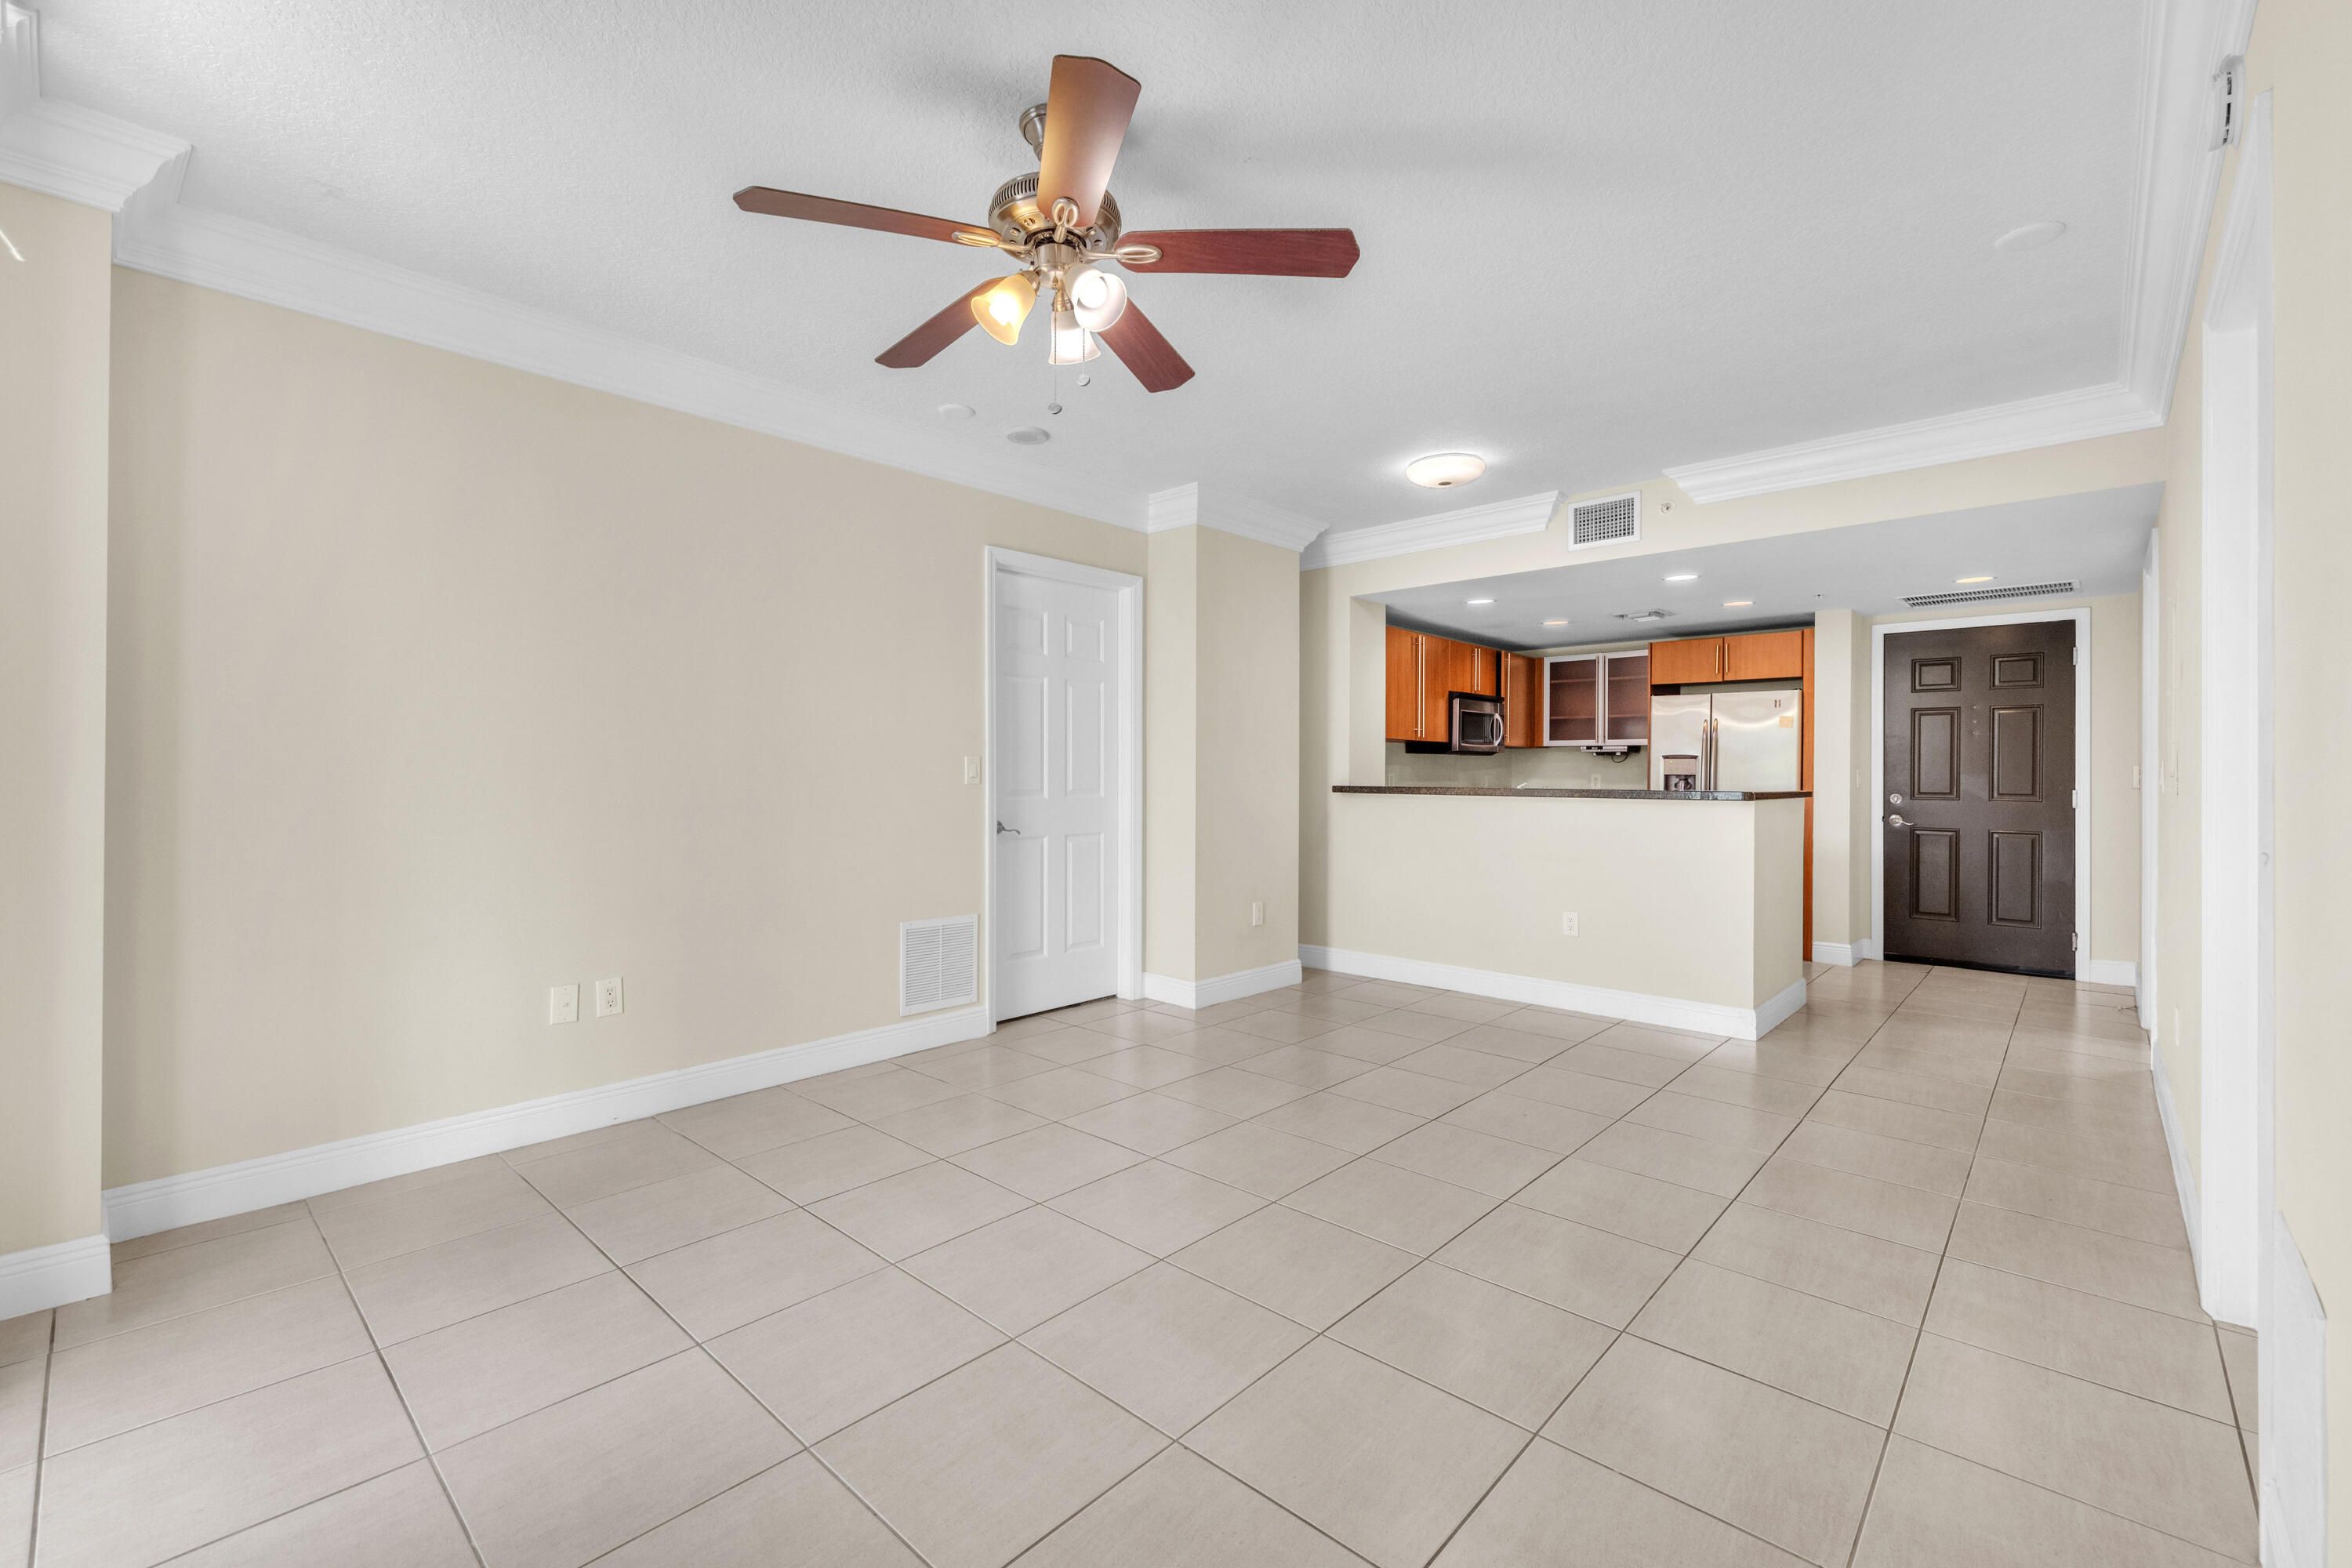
1440 469
1737 604
955 410
1482 601
1971 579
1028 436
1555 623
2032 237
1684 577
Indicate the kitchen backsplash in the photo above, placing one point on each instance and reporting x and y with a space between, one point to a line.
1543 767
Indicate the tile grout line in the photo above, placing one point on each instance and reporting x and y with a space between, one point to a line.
1870 1496
430 1458
41 1443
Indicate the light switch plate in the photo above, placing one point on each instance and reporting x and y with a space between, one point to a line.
564 1003
1258 912
608 996
972 770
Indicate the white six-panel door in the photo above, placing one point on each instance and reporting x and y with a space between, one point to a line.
1056 765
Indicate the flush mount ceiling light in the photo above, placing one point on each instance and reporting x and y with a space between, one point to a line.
2032 237
1060 227
1972 579
1440 469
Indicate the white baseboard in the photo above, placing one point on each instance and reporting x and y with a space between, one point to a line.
2292 1397
169 1202
2184 1176
2108 971
1231 987
1841 953
1634 1007
52 1275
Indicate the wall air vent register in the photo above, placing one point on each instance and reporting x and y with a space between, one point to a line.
938 964
1986 595
1613 519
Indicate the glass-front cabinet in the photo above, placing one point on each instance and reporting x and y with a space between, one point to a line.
1597 699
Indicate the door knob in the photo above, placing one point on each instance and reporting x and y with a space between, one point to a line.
1896 822
1015 831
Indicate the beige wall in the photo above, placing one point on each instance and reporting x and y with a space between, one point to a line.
1695 900
436 684
1220 758
53 418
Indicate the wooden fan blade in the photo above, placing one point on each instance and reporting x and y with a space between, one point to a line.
854 215
923 345
1087 111
1142 350
1265 252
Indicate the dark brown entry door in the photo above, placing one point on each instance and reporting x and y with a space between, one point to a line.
1978 816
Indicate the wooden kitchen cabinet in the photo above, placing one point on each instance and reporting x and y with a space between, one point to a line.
1522 700
1625 693
1765 656
1688 659
1404 684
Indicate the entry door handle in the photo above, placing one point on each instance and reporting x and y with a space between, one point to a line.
1896 822
1015 831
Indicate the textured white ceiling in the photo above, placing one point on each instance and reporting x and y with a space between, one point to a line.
1599 238
2094 540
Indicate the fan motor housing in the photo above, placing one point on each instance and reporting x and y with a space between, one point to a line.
1014 213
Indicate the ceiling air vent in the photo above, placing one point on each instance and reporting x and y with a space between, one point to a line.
1614 521
938 964
1986 595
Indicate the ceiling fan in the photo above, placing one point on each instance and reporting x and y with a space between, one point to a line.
1063 227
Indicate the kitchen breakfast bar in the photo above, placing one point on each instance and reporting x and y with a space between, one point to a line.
1681 909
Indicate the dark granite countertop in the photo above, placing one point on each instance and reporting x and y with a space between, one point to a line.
1576 794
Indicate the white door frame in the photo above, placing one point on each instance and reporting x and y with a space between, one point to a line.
2081 615
2150 774
1128 904
2238 1029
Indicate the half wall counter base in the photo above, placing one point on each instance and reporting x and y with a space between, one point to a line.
1683 911
1633 1007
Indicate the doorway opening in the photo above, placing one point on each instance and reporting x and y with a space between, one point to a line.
1980 765
1063 802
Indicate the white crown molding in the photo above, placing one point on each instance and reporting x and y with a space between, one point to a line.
62 149
2179 172
1496 520
158 233
2061 416
1182 507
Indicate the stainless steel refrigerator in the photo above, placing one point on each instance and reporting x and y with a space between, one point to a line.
1728 741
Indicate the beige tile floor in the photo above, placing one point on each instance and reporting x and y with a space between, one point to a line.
1354 1272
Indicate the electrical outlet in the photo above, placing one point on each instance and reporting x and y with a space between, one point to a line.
1258 912
1568 924
608 996
972 770
564 1003
1596 782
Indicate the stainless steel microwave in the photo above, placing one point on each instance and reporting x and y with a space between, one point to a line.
1477 724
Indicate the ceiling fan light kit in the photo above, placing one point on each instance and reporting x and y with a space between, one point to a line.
1063 227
